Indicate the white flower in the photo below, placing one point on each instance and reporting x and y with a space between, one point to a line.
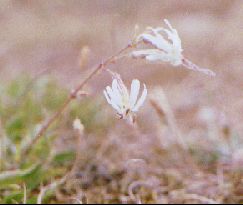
125 103
166 50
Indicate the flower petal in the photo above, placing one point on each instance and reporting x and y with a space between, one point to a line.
112 103
152 55
116 92
135 86
141 100
156 40
113 97
168 24
107 97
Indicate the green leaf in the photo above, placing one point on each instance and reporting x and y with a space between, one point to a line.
64 157
14 197
20 176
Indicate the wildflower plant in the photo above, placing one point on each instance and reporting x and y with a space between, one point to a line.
160 49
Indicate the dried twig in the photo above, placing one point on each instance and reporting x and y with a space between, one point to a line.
134 185
200 198
166 114
50 187
169 115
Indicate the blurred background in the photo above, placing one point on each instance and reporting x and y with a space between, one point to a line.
42 49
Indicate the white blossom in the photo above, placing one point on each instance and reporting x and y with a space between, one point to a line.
163 49
166 50
125 103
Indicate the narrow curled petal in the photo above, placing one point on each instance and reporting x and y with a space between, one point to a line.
135 87
158 40
176 41
122 89
168 24
141 100
111 102
166 45
116 91
115 97
152 55
107 97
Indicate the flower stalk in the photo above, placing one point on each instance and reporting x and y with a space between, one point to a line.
71 97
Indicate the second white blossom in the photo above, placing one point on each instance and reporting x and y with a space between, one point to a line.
125 103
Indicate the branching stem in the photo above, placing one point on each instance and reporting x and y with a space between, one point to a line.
72 96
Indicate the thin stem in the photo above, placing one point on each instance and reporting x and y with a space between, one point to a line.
70 98
78 159
25 194
170 118
189 65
